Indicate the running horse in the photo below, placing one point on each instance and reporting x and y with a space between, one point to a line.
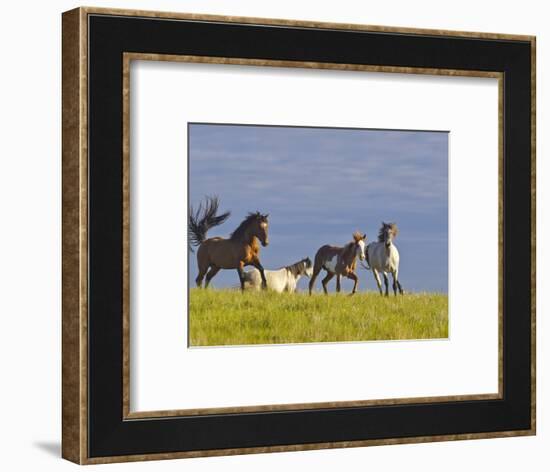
339 261
239 250
383 256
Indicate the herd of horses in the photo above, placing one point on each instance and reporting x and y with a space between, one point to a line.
242 249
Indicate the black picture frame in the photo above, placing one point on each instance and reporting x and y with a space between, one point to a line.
94 427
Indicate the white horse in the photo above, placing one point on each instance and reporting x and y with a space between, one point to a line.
383 256
281 280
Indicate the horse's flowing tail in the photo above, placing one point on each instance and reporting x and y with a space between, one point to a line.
203 219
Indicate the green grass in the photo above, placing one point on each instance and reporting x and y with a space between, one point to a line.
229 317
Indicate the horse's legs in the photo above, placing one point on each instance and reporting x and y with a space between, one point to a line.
377 278
326 280
211 273
385 282
259 266
316 270
240 271
396 284
202 272
338 283
355 279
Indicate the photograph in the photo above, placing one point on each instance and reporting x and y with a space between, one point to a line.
309 234
276 232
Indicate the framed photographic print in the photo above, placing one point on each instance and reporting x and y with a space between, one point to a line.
285 235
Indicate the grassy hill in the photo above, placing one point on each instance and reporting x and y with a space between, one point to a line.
229 317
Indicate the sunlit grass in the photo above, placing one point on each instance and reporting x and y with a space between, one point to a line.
229 317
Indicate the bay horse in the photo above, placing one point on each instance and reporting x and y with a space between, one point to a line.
281 280
239 250
383 256
339 261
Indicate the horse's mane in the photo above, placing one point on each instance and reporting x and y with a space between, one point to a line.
295 269
393 228
349 248
357 236
241 229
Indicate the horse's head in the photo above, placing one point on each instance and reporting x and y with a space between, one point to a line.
308 267
388 233
260 228
359 241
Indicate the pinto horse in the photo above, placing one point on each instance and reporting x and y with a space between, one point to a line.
281 280
339 261
239 250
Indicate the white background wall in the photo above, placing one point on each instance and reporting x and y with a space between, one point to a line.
30 249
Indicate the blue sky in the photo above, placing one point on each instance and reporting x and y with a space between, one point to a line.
321 184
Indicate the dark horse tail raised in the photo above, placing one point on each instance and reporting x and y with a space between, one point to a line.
203 219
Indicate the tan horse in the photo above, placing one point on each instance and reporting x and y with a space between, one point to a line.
339 261
240 250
